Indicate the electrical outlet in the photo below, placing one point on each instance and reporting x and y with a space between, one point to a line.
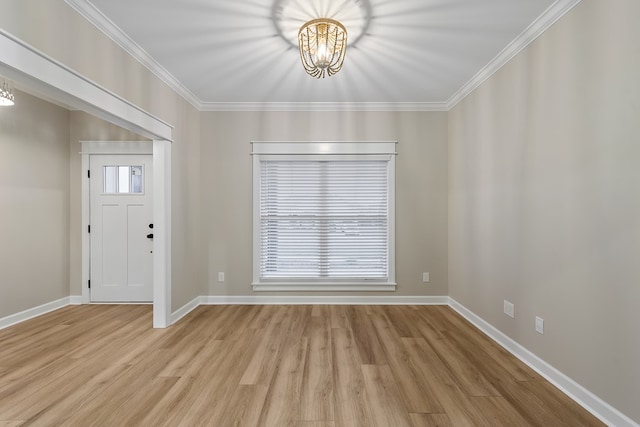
509 309
539 325
425 277
221 276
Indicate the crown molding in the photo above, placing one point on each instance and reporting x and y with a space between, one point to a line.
92 14
323 106
553 13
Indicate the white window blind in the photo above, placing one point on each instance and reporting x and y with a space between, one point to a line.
324 220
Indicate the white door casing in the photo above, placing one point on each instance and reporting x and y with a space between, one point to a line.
121 228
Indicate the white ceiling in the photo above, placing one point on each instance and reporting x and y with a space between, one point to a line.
409 51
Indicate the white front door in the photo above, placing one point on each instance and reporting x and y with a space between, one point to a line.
121 233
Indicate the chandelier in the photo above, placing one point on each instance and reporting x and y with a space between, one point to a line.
6 92
323 43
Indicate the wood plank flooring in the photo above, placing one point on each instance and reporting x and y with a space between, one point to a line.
309 366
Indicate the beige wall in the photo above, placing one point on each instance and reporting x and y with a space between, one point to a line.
57 30
421 188
544 198
34 212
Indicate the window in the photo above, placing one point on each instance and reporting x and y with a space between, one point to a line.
122 179
324 216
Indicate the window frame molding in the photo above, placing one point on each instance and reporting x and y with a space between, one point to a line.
322 149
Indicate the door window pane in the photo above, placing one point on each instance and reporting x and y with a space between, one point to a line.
110 182
136 179
123 179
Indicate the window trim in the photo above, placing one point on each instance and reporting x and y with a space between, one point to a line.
319 150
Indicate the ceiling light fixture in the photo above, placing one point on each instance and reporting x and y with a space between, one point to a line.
6 92
323 43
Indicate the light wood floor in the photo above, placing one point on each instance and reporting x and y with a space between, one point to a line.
269 365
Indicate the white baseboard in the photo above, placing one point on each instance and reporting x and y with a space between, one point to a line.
323 300
185 309
592 403
120 303
30 313
303 300
75 300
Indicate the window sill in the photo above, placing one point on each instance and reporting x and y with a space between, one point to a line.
323 287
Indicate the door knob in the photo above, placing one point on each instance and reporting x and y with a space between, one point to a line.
150 236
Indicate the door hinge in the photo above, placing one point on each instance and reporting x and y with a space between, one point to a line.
89 174
88 229
89 283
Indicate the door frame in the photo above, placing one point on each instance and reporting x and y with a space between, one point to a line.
161 218
41 75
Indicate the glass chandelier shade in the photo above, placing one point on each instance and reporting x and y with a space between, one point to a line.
323 43
6 92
